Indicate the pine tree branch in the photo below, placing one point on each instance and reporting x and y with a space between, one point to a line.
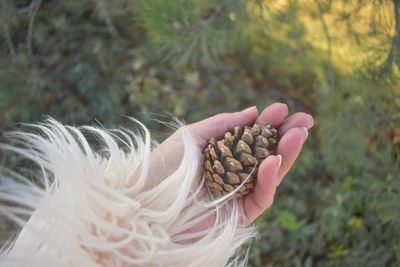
209 18
7 37
107 18
328 37
217 12
395 41
27 9
34 8
6 28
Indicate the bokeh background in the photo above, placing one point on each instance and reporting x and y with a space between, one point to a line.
83 61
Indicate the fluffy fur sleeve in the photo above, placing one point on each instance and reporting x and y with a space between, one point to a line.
89 205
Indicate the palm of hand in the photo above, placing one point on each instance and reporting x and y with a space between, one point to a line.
292 131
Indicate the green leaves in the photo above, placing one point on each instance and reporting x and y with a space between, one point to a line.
288 221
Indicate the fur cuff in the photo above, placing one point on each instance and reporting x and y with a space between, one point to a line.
90 206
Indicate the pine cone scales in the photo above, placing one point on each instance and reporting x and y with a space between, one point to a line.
236 158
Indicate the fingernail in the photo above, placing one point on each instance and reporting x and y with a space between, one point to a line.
247 109
312 122
305 132
279 157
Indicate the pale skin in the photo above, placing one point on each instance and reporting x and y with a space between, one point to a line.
293 131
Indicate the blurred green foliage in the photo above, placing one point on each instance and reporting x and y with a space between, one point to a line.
81 61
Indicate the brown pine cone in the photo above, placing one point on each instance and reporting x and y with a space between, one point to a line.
231 161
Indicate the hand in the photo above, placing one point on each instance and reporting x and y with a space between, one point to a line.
293 133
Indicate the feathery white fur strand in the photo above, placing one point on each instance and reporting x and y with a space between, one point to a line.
94 208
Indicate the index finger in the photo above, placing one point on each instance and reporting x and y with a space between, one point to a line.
273 115
217 125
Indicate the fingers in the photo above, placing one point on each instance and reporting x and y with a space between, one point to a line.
271 172
298 120
274 115
257 202
217 125
289 147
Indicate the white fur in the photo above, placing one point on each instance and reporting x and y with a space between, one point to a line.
94 209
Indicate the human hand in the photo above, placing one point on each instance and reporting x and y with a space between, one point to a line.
293 131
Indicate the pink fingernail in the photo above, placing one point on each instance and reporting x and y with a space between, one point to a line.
279 157
305 131
311 120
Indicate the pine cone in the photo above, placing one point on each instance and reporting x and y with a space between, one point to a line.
231 161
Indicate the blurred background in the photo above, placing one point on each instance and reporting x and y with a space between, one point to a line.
82 61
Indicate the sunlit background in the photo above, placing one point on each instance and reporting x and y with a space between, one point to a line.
90 61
